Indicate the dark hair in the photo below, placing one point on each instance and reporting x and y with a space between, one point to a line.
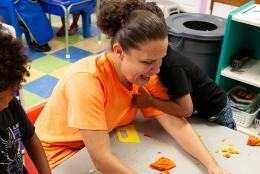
13 62
131 22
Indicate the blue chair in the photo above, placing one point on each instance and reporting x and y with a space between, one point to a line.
33 18
8 15
65 8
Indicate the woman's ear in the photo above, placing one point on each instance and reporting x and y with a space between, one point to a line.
118 51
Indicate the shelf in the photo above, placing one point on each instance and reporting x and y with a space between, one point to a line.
249 130
249 73
250 15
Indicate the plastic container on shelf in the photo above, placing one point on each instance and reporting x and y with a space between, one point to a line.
257 121
243 118
242 95
246 117
244 99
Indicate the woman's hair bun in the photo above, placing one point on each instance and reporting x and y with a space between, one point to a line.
114 13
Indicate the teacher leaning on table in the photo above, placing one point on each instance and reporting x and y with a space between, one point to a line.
95 95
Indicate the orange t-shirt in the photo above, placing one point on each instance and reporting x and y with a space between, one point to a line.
89 96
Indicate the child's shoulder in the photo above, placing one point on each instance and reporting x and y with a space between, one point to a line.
15 104
14 109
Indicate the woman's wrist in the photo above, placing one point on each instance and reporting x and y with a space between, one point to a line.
211 165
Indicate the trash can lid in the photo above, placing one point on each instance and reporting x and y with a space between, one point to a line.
196 26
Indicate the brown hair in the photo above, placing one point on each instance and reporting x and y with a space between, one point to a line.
14 62
131 22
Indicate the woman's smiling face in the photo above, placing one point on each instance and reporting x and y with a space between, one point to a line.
138 65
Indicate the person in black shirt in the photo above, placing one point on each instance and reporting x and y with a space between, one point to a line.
15 128
191 90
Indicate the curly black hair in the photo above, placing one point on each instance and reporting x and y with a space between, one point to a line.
13 62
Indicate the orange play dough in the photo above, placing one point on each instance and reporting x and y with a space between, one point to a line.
163 164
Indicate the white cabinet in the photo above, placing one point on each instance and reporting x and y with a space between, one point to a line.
222 10
194 6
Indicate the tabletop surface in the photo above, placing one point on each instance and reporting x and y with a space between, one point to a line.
140 155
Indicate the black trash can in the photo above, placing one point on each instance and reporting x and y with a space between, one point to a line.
198 37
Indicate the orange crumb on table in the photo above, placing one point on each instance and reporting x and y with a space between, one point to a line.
226 155
253 141
147 135
163 164
165 172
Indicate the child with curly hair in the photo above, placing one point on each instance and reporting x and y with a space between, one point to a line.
15 128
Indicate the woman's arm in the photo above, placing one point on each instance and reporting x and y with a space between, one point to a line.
34 148
187 138
98 146
182 107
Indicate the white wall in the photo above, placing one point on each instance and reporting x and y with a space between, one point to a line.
194 6
222 10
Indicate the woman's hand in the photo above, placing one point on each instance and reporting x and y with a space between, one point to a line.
217 170
144 99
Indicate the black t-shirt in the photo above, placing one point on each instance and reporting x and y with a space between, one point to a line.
14 129
181 76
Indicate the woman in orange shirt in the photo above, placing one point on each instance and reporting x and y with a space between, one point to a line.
95 95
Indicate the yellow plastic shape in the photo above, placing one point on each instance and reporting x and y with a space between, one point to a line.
127 134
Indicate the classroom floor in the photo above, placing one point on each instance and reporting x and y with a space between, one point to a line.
47 67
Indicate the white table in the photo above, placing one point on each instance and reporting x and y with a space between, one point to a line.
139 156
